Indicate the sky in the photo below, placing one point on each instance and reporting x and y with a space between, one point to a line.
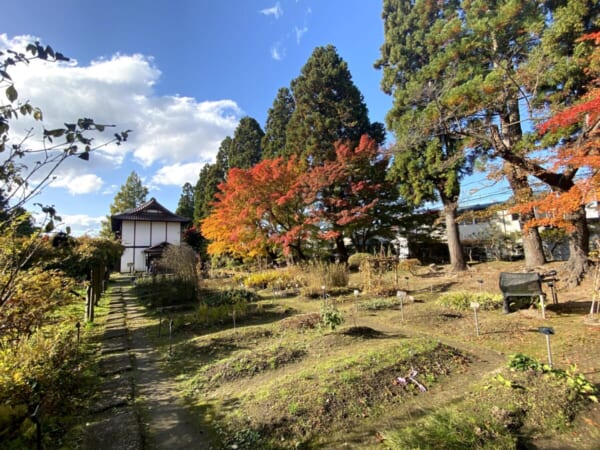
180 74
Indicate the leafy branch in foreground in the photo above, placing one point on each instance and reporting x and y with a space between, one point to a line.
25 171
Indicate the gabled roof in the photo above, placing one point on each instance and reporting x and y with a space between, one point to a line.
151 211
157 249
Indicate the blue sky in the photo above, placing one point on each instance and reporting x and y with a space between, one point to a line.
178 73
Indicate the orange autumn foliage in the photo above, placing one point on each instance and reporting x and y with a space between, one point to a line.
252 207
581 153
278 206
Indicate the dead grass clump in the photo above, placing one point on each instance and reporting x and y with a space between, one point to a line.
318 275
301 322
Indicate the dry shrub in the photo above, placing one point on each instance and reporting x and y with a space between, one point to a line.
377 277
315 275
355 260
276 278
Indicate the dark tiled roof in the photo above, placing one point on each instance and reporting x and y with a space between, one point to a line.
151 211
157 249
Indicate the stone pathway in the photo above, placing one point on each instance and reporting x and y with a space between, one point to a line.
137 407
115 423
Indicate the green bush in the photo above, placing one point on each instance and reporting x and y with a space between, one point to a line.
165 290
42 369
453 430
331 317
228 297
380 303
461 300
573 379
355 260
218 306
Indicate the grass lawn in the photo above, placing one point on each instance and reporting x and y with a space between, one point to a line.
391 377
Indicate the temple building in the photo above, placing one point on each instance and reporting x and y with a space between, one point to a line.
144 232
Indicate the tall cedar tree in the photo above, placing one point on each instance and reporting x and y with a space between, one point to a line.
428 162
274 140
492 64
329 108
245 150
185 206
131 194
206 187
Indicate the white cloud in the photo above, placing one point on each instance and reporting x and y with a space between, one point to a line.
177 174
78 184
178 129
81 224
277 51
274 11
299 33
112 189
167 130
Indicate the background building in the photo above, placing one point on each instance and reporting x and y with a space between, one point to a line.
144 232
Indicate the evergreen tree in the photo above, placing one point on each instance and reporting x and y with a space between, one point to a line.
131 194
473 68
222 162
185 206
428 162
208 181
329 108
204 192
245 150
273 142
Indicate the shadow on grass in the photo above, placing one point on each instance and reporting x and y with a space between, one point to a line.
435 288
570 307
368 333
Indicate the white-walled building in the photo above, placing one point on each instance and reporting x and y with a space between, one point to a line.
144 231
475 227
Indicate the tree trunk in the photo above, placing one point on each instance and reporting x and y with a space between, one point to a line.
512 132
341 250
578 263
532 242
457 258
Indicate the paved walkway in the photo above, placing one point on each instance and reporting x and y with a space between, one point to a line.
137 406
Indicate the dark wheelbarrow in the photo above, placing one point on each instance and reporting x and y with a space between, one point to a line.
521 288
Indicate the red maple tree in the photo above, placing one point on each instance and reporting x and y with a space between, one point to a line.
276 206
578 154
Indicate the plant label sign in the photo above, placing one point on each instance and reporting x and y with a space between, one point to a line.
475 305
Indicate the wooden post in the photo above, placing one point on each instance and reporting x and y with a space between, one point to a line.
89 304
475 307
543 306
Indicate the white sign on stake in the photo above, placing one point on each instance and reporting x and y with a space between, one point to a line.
475 307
